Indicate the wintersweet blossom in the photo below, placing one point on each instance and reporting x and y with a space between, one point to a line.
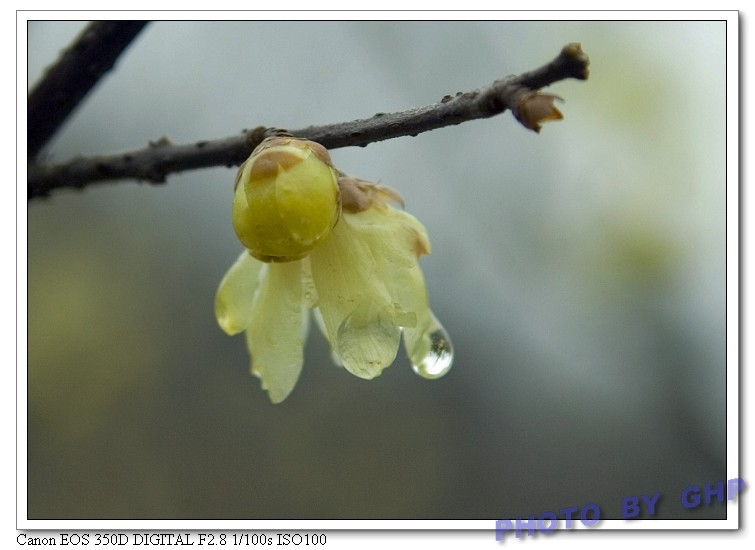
337 246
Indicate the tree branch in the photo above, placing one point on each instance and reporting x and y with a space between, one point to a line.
68 81
161 158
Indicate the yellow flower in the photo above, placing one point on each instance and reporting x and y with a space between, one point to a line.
361 277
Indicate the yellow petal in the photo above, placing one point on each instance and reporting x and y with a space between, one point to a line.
393 235
368 340
427 343
357 311
396 239
399 239
308 285
274 336
233 301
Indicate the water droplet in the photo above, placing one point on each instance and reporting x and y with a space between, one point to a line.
438 361
367 340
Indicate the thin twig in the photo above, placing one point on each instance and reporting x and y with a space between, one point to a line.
161 158
68 81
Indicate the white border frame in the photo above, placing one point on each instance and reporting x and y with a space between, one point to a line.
732 281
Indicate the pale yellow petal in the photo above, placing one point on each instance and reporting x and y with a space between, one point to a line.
396 239
356 308
400 239
308 284
233 301
427 343
275 334
368 340
393 235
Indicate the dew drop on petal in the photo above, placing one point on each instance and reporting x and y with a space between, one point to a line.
439 359
367 340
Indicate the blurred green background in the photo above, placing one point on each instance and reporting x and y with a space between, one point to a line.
580 273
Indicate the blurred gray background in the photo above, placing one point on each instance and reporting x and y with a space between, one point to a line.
580 273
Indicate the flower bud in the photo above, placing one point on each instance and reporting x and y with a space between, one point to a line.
286 200
534 108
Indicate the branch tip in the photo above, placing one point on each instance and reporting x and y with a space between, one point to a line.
573 52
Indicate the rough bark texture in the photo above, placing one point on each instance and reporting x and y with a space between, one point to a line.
70 79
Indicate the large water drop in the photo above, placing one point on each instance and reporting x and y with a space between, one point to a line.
439 358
